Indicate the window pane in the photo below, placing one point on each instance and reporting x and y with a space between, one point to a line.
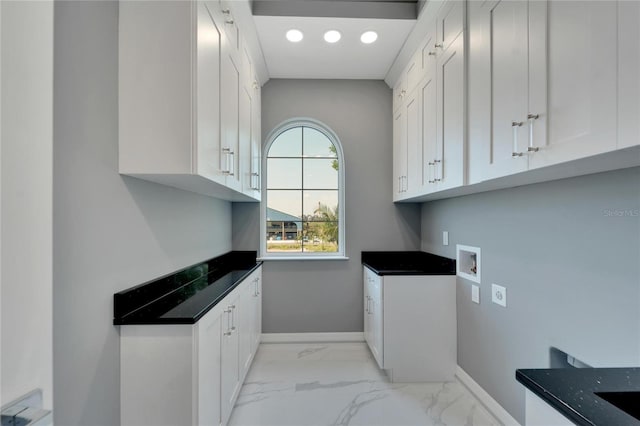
316 144
320 205
287 144
320 174
284 173
284 226
320 237
284 205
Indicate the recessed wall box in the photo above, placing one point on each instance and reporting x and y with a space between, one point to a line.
468 262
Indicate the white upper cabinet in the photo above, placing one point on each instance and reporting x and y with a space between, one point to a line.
542 84
207 151
497 88
413 172
399 153
573 87
180 97
628 74
450 143
431 118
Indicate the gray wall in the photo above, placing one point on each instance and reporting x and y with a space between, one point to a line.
326 296
110 232
571 267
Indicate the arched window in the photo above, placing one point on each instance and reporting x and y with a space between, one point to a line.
303 195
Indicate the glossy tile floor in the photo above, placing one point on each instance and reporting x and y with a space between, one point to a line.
340 384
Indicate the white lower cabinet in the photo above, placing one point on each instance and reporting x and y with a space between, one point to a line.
190 374
539 413
410 325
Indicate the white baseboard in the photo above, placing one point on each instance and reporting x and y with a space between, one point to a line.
311 337
487 400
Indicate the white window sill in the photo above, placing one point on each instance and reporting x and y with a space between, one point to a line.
270 258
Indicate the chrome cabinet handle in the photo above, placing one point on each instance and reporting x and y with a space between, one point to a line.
432 53
255 177
431 170
438 45
227 161
232 308
226 11
532 118
435 171
515 125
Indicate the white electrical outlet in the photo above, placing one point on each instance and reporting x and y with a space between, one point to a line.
445 238
475 293
499 295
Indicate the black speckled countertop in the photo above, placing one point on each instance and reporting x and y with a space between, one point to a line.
184 296
408 263
573 392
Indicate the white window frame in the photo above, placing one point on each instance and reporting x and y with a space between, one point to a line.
330 134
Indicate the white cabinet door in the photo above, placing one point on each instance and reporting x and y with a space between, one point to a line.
207 149
257 306
230 117
256 141
450 23
573 80
450 148
367 323
628 73
375 312
207 374
399 153
245 318
501 66
428 97
245 130
399 92
413 174
229 358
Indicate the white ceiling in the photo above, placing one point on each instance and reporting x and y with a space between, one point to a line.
315 58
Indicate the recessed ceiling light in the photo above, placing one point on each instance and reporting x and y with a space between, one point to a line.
294 36
369 37
332 36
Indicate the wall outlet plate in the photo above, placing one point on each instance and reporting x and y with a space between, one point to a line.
499 295
475 293
445 238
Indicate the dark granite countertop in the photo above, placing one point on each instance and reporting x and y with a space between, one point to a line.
184 296
408 263
574 392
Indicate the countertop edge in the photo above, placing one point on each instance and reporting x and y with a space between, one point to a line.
552 400
199 315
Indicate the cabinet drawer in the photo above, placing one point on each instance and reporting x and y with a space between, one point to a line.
450 22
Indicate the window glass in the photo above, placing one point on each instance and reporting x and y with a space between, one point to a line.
302 193
316 144
320 174
284 173
287 144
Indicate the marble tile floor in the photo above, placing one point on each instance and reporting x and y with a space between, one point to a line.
340 384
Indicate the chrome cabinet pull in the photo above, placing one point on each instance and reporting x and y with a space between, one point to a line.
432 53
232 308
431 170
515 125
532 118
255 178
435 171
438 45
228 161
